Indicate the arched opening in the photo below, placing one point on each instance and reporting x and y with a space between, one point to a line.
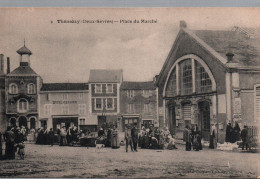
204 119
22 121
13 122
32 123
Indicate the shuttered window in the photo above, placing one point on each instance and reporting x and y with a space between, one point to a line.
187 111
257 102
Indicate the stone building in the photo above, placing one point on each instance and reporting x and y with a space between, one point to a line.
138 103
65 104
22 87
210 78
104 94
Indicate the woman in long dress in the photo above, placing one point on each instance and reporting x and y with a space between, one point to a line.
115 139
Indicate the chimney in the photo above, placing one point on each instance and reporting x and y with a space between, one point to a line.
183 24
8 65
2 63
230 57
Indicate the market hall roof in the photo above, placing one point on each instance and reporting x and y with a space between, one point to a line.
64 86
24 50
130 85
245 47
105 76
244 44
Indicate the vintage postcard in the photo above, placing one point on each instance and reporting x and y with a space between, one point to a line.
129 92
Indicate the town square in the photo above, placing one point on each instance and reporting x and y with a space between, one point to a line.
176 95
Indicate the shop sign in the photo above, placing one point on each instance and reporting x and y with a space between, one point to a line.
65 102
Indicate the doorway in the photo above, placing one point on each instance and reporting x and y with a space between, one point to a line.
172 121
204 119
22 121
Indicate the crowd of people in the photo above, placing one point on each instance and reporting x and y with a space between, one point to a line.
154 138
14 138
145 138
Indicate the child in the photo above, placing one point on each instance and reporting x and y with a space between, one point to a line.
21 151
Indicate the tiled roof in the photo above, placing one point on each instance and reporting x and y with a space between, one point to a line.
130 85
105 76
64 86
23 70
24 50
246 49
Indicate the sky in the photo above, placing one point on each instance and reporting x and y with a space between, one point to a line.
65 52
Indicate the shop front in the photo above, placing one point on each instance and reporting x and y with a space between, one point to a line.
67 121
130 120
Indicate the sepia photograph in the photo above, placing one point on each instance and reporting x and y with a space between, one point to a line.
130 92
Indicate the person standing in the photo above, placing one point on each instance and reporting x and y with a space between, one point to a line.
236 132
213 142
109 137
134 134
115 139
244 137
187 137
63 134
9 142
1 156
229 131
51 137
128 139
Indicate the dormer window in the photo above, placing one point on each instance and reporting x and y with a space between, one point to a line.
22 105
13 88
31 89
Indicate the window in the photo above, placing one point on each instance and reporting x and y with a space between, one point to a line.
82 108
130 93
110 103
98 88
22 105
81 95
31 88
65 109
186 74
257 103
47 109
146 92
65 96
98 103
13 89
130 108
203 82
146 108
82 121
109 88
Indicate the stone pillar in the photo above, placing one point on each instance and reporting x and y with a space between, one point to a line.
28 124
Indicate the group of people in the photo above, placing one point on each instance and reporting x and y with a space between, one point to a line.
154 138
65 136
233 134
14 138
192 137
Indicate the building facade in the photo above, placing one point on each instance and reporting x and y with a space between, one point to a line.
210 79
104 88
138 104
22 87
65 104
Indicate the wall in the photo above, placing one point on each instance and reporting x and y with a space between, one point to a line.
56 100
139 100
22 89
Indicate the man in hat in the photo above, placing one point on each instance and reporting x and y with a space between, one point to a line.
244 137
134 134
